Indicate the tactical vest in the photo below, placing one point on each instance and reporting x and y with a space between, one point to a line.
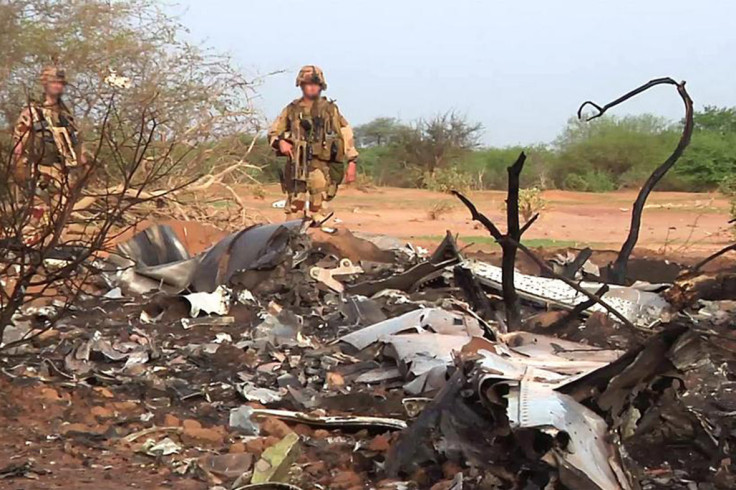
319 126
41 128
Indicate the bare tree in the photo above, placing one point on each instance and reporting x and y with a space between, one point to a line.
437 142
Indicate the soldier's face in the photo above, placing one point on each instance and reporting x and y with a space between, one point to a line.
311 90
55 89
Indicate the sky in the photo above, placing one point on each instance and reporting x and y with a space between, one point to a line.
521 68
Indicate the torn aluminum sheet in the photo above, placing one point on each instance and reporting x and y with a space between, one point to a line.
156 245
133 353
253 393
555 361
327 276
241 419
445 255
281 329
379 374
640 307
153 259
255 248
426 357
331 421
214 303
434 319
164 447
562 263
537 405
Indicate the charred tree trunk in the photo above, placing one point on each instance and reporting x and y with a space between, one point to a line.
510 297
617 270
509 242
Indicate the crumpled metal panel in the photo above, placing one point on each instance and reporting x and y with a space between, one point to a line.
153 259
538 405
640 307
254 248
156 245
435 319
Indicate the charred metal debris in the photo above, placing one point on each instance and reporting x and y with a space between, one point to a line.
288 358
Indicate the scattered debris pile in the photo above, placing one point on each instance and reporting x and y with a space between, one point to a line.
287 358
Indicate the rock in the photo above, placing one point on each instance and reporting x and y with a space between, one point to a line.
380 443
316 468
256 445
191 424
124 406
320 434
50 394
303 430
544 320
194 436
102 413
171 421
335 380
237 448
103 392
272 426
346 479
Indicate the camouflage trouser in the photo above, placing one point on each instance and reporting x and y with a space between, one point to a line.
321 186
47 199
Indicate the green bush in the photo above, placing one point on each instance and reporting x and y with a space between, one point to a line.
728 185
603 155
590 181
447 179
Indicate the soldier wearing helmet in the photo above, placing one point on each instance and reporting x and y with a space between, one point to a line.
313 126
46 134
47 150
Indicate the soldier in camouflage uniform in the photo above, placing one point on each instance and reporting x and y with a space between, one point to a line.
46 134
315 123
47 149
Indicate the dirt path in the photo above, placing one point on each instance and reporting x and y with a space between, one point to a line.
674 222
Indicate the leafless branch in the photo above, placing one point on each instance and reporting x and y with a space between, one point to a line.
617 271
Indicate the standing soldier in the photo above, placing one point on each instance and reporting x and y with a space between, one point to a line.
47 149
318 141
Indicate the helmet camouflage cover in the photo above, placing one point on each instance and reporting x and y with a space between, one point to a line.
53 74
311 74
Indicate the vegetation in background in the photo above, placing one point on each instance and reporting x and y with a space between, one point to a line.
197 96
603 155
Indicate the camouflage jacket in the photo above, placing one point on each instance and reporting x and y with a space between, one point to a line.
33 133
287 125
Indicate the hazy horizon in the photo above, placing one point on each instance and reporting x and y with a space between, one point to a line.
521 69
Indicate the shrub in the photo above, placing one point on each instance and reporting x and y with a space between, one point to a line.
590 181
439 209
531 202
447 179
728 186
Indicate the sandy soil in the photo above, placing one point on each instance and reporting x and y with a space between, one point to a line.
675 223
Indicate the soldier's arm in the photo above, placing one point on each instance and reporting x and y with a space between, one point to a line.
277 129
348 138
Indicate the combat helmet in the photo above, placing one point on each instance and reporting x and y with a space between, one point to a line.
53 74
311 74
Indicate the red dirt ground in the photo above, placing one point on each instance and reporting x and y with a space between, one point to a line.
678 224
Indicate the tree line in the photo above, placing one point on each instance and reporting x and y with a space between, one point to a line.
603 155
